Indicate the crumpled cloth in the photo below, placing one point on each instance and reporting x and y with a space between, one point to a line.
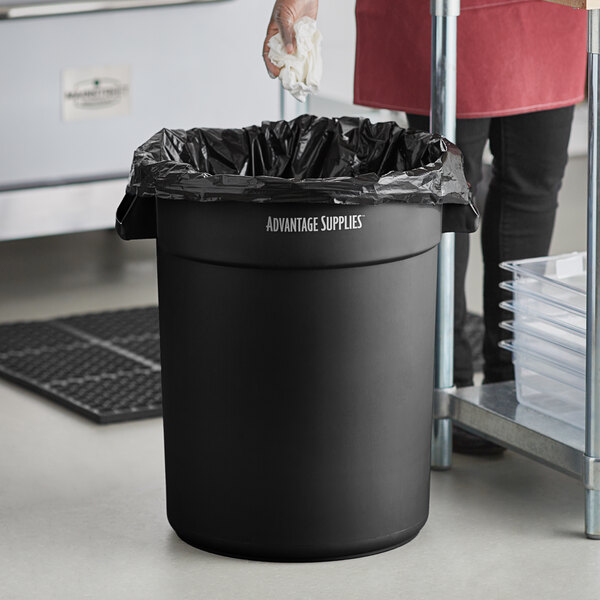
300 72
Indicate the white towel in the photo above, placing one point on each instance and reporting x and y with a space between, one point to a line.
300 72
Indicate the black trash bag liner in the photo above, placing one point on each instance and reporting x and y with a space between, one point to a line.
308 160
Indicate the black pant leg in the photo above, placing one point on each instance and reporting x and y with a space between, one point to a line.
471 137
530 155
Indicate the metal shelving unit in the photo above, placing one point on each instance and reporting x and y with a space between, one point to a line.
492 411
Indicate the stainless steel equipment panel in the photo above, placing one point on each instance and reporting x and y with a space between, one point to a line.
193 65
23 9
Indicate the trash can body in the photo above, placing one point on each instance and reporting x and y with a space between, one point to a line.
297 365
297 282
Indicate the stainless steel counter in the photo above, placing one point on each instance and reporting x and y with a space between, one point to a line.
59 209
26 9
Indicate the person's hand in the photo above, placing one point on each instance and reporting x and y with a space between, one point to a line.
285 14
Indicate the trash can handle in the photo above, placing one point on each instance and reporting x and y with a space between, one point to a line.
136 218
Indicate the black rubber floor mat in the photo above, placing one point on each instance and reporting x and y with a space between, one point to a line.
33 336
115 324
105 366
148 348
134 394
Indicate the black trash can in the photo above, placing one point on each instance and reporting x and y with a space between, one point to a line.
297 331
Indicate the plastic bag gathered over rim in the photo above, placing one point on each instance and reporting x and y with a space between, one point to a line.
310 160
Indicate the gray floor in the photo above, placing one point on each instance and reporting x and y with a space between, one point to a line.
61 275
82 506
82 515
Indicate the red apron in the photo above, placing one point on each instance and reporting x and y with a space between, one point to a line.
514 56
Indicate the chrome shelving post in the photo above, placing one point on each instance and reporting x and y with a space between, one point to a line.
493 410
591 472
289 107
444 14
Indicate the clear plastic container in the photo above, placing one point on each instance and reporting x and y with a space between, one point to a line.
530 309
532 297
525 328
553 350
560 279
548 386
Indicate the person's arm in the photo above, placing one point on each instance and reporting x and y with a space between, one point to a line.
285 14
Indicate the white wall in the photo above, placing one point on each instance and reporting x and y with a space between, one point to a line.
337 24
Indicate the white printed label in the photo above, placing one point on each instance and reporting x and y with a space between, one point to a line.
96 92
313 224
570 267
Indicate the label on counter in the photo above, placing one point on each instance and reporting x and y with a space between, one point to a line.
99 92
314 224
570 266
